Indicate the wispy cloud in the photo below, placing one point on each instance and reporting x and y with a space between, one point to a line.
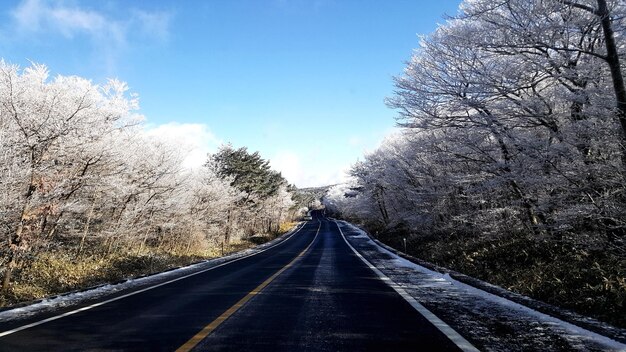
110 33
33 16
153 24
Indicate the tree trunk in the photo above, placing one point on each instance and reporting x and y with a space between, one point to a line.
16 240
6 280
227 232
612 59
86 229
529 207
14 245
381 204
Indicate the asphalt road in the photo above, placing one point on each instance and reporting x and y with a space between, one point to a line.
311 292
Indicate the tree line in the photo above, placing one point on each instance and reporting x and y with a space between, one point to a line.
79 175
513 122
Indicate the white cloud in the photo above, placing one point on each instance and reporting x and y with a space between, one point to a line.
311 173
28 15
70 21
45 16
110 34
313 169
193 140
288 164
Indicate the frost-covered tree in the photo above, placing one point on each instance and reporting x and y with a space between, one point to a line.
511 124
78 174
266 196
53 133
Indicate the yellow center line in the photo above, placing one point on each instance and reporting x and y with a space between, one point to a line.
189 345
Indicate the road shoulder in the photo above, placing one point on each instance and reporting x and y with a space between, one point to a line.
488 320
83 298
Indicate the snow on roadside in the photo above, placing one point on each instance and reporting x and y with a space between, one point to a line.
490 322
56 303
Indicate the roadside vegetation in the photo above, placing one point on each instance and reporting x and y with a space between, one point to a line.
511 162
88 197
61 271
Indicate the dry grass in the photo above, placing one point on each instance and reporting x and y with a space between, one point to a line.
59 272
590 281
52 273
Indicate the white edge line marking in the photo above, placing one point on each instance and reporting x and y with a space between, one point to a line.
454 336
56 317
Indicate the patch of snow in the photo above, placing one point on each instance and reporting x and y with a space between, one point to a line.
75 298
65 300
521 309
494 322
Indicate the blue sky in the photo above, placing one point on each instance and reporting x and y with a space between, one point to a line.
301 81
